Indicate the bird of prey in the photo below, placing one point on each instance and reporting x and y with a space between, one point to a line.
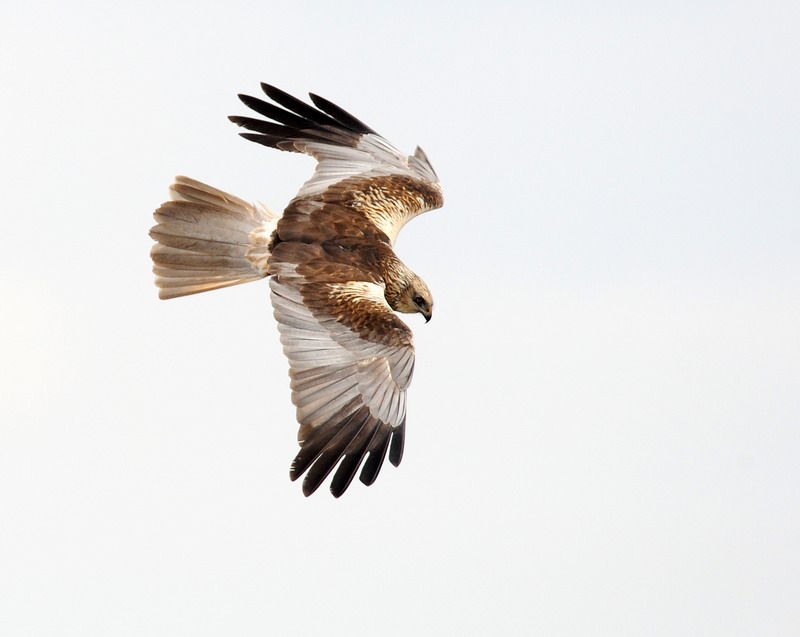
335 280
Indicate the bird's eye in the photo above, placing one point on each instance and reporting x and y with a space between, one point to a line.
418 300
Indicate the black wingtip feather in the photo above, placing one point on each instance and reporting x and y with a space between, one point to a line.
297 106
333 451
310 451
275 113
358 441
353 456
340 115
317 439
269 128
377 453
398 441
293 120
264 140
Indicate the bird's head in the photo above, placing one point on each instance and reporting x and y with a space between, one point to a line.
416 297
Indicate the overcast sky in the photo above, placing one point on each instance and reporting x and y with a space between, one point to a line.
604 424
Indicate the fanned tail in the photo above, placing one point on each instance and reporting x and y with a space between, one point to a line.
208 239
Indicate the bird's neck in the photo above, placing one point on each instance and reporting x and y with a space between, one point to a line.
397 277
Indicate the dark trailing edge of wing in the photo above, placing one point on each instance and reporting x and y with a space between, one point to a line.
298 121
351 440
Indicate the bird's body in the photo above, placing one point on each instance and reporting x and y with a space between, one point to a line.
334 277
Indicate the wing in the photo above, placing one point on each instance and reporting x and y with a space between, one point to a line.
351 360
359 173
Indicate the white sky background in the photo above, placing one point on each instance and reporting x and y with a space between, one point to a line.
603 427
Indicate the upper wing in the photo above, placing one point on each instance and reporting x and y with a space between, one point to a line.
351 360
359 172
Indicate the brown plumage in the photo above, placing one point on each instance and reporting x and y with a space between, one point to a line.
335 280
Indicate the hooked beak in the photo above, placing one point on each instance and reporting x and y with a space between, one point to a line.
427 315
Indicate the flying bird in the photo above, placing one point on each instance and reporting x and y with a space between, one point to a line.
335 280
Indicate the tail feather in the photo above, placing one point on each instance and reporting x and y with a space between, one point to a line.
188 189
208 239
